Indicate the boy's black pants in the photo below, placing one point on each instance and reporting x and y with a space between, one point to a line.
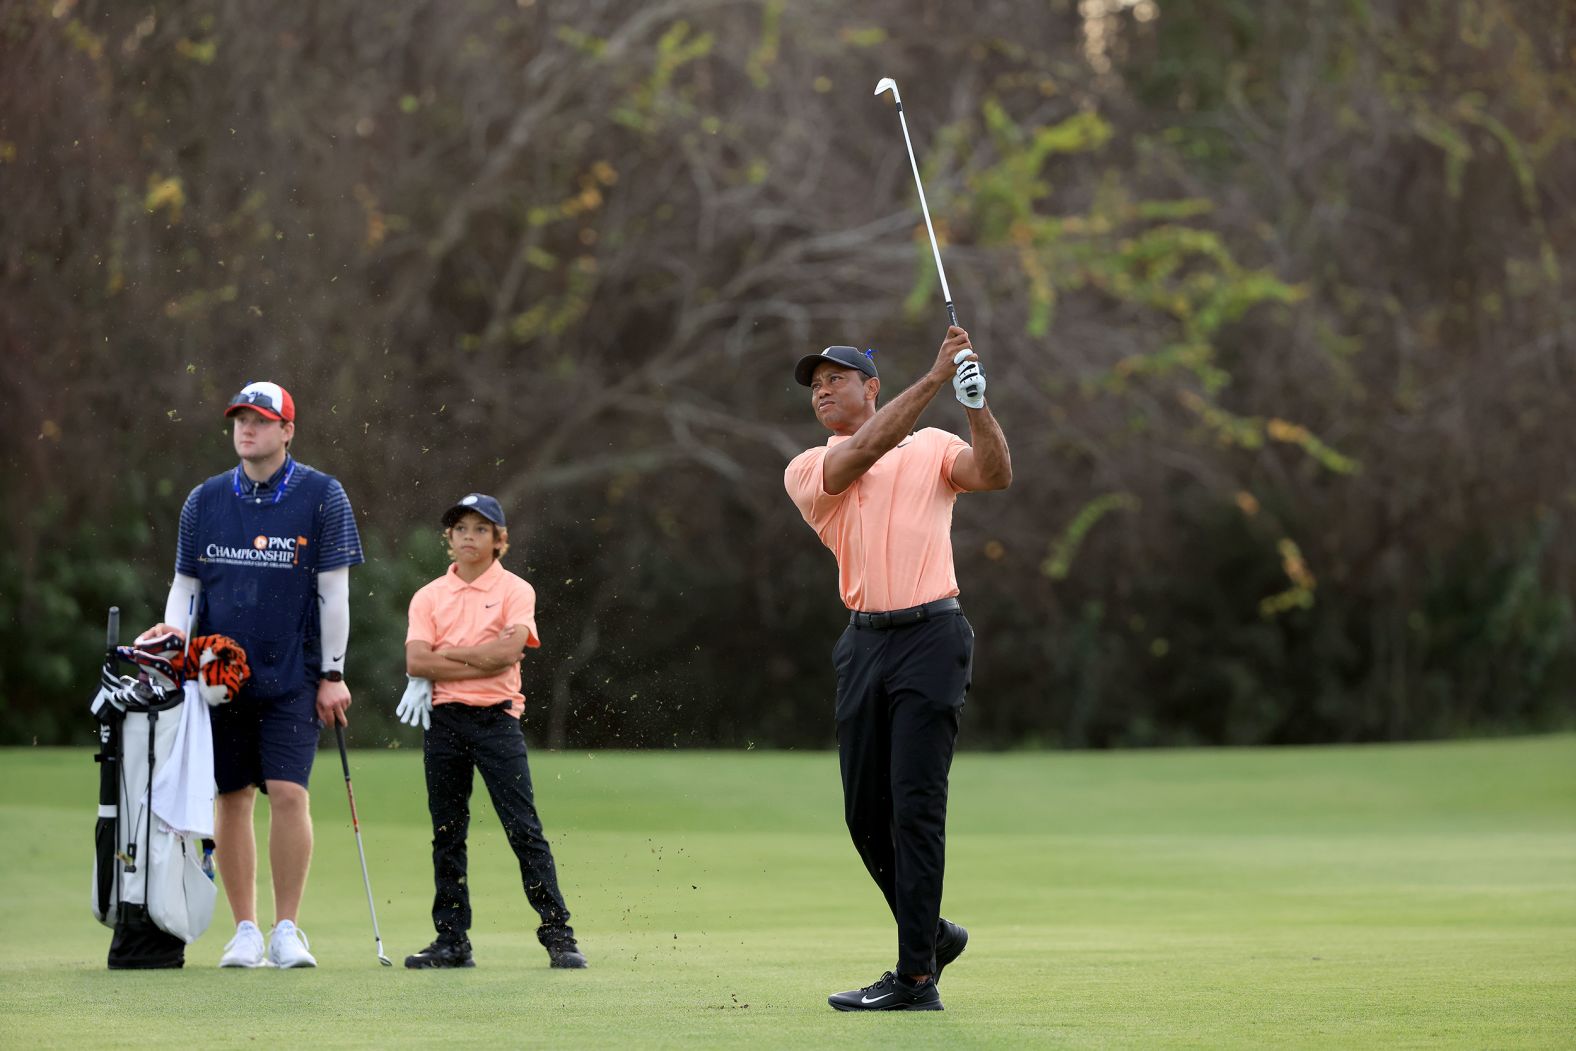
464 738
900 693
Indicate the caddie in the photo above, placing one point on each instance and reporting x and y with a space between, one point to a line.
880 495
264 556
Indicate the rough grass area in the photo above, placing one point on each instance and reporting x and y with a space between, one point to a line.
1422 895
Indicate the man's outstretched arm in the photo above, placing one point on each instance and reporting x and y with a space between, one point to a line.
846 462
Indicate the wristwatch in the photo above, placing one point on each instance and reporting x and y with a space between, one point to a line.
334 676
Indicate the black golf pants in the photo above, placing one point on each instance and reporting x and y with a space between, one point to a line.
900 693
462 739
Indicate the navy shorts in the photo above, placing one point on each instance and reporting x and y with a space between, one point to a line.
261 739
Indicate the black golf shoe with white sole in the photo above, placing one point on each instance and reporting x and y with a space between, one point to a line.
442 953
951 939
890 993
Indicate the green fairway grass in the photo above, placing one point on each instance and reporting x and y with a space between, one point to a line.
1418 895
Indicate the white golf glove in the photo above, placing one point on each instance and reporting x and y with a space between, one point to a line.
969 383
415 708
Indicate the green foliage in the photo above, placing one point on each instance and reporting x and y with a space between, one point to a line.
765 53
1133 251
654 102
1489 625
589 45
1065 549
1286 277
54 609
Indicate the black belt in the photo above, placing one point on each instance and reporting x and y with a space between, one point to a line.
501 706
898 618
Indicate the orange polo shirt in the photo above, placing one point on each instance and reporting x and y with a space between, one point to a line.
450 612
892 529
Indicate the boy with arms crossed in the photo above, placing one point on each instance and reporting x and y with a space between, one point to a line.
468 630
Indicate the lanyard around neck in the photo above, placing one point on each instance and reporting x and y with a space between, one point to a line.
278 493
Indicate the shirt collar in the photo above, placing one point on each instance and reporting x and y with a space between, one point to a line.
838 439
251 488
490 576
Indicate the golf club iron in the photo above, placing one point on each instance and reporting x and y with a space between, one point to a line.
355 823
888 84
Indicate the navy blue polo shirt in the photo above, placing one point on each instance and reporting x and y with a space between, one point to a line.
256 548
341 541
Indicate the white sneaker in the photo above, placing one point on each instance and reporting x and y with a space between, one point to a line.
246 948
287 946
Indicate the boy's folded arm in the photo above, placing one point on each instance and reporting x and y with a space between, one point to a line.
422 661
496 655
509 646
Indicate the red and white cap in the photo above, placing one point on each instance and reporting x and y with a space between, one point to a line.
267 399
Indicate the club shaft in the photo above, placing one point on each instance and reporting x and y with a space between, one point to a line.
355 823
924 209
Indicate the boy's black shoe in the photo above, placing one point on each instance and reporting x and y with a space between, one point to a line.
568 957
890 993
951 938
442 953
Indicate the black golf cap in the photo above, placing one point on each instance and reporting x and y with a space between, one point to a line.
847 357
481 503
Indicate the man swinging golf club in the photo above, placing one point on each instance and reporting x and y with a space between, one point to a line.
881 498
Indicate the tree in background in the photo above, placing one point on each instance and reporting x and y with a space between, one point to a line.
1276 297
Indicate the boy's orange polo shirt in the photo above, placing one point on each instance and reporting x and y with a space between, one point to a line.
450 612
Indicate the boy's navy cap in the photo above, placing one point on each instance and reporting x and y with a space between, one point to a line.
848 357
482 504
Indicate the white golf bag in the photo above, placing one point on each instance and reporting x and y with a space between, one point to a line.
150 881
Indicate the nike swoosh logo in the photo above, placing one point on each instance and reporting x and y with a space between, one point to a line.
490 605
867 1000
339 658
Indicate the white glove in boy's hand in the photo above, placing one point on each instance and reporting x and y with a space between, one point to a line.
969 383
415 708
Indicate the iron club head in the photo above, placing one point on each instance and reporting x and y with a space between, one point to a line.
385 961
886 83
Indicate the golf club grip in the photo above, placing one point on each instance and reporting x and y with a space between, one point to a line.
344 756
112 631
952 315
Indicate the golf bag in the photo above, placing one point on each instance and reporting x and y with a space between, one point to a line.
151 880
